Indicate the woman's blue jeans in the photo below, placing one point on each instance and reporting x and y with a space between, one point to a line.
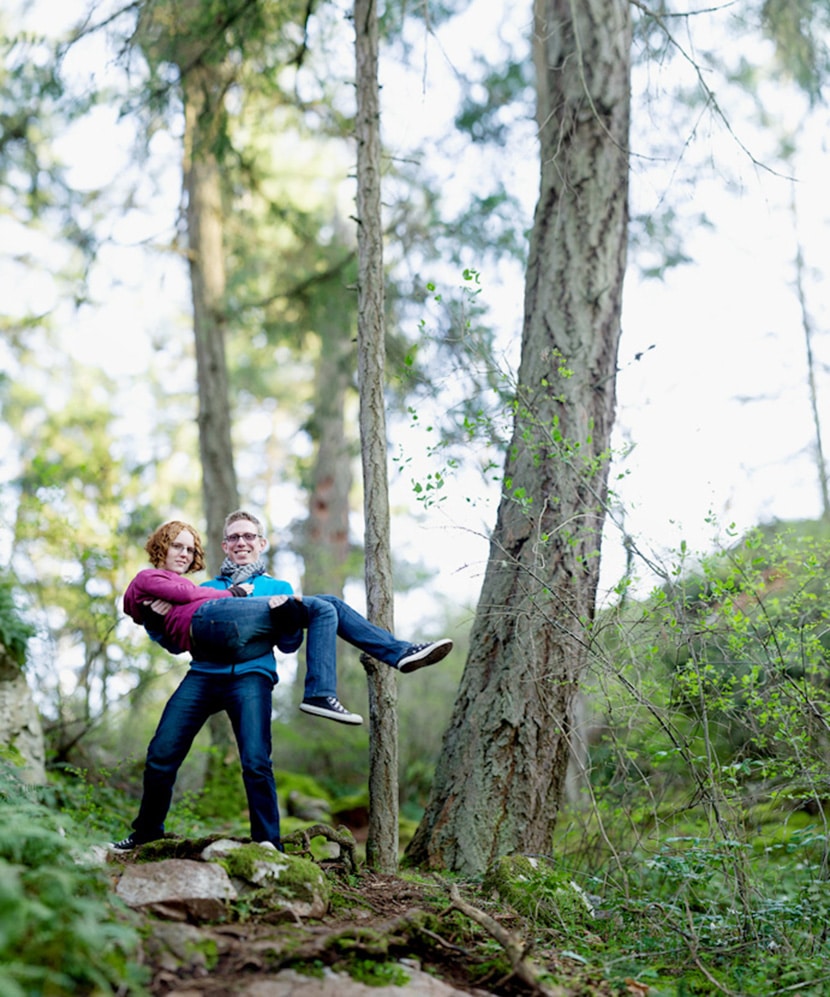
247 701
233 630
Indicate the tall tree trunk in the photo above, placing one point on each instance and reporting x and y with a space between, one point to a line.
325 543
501 773
382 843
203 89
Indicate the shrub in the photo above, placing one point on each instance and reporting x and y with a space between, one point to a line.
59 930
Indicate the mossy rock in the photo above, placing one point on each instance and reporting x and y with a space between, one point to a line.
539 891
273 879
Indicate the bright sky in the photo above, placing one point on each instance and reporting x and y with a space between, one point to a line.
724 330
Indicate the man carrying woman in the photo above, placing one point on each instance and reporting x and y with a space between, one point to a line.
231 635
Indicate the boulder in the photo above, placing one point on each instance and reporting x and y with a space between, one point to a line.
178 889
279 881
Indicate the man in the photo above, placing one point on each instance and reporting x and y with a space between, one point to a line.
244 690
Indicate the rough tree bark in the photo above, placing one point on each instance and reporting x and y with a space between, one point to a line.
175 33
182 33
22 744
382 844
203 92
501 773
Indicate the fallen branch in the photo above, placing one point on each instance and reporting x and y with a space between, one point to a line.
517 951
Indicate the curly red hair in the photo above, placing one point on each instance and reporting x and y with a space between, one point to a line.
159 541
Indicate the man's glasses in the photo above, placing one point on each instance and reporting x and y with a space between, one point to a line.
234 538
178 548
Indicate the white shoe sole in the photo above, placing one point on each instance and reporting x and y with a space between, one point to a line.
434 652
342 718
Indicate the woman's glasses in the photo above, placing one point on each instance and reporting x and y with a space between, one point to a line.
178 548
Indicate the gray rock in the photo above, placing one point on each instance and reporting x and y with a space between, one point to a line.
21 732
289 983
178 889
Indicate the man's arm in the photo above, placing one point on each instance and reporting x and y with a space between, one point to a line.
288 640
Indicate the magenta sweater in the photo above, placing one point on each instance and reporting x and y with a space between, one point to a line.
185 595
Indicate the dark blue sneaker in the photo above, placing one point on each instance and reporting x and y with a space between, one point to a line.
130 842
420 655
331 708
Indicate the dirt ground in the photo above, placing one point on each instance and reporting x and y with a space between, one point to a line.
374 921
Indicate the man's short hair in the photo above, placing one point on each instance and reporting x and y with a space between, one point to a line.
243 514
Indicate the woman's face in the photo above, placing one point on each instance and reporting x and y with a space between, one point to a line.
180 553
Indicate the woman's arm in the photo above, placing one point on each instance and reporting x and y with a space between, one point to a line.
156 583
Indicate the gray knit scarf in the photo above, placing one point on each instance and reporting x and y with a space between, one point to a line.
239 573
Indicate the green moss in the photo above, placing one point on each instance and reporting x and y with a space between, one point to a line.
242 862
378 974
537 890
314 969
207 949
355 801
306 785
223 796
11 755
274 877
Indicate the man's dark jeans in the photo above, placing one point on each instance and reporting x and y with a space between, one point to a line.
247 701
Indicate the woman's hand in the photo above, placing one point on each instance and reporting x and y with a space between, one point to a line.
160 606
280 600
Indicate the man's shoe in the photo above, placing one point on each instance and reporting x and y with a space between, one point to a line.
331 708
421 655
130 842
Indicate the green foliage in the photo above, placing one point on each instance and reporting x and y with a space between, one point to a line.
223 796
14 631
59 932
300 782
799 30
542 893
701 820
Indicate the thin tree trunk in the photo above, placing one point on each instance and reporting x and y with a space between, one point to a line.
807 326
382 843
501 774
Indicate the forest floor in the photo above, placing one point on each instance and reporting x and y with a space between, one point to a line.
383 935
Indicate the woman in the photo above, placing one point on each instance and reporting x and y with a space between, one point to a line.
192 623
222 627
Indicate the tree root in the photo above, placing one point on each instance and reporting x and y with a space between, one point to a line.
341 836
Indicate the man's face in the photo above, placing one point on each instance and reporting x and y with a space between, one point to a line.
237 545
